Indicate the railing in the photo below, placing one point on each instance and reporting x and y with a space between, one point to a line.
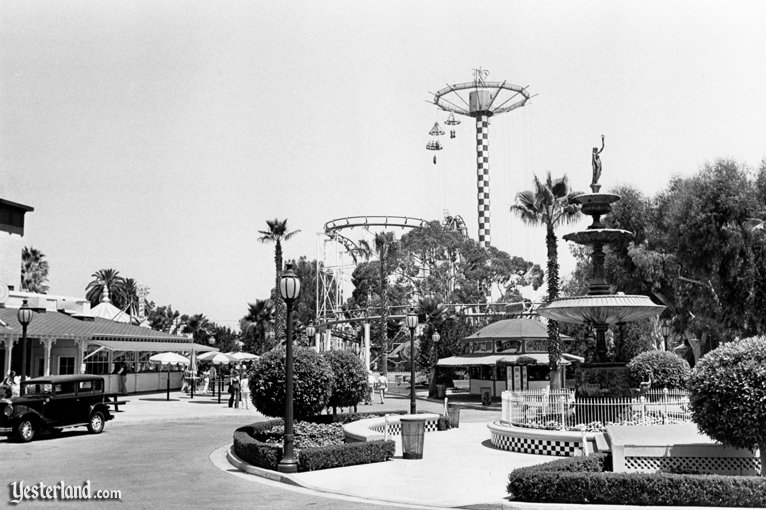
560 410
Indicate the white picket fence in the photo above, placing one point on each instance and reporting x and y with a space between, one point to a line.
560 410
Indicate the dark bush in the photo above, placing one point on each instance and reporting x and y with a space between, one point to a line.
728 395
313 379
580 480
349 454
254 452
663 368
350 379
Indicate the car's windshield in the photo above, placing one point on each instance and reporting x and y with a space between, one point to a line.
38 389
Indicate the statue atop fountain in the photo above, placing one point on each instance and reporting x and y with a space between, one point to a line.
596 162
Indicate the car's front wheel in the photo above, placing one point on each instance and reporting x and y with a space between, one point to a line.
96 422
25 430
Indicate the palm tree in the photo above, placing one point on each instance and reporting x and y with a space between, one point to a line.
433 312
199 326
109 279
387 250
277 233
34 270
258 324
132 299
549 205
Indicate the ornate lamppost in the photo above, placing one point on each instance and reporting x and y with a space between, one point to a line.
289 288
412 322
310 332
24 317
665 331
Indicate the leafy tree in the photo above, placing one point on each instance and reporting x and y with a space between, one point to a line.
276 233
305 305
34 270
664 369
162 318
549 205
313 383
131 297
434 314
112 281
350 379
728 394
225 338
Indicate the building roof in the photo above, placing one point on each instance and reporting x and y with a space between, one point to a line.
492 359
107 310
60 325
512 329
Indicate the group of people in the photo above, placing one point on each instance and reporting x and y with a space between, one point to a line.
11 385
376 384
239 391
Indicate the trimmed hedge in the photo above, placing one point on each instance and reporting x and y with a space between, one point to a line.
663 368
267 456
349 454
582 480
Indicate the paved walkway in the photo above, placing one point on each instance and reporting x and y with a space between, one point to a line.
459 467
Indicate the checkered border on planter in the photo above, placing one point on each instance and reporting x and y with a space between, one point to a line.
536 446
395 428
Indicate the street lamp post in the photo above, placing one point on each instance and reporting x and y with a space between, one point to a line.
665 331
289 288
24 317
310 332
412 323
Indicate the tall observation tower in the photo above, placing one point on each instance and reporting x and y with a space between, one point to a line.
485 99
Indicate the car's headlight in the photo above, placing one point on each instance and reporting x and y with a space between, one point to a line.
8 411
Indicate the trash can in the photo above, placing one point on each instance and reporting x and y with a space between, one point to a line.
413 433
441 390
486 395
453 413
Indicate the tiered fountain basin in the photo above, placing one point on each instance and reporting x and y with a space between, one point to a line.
603 309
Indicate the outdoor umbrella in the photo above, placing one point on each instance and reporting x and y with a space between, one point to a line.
169 358
218 358
243 355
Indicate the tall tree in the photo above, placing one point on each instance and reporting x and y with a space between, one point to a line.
162 318
549 205
112 281
198 326
257 326
131 297
386 248
34 270
276 233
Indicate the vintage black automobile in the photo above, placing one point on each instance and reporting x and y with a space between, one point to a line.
54 403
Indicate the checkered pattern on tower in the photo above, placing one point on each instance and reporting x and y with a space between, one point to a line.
482 174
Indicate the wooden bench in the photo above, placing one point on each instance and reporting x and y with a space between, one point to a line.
116 403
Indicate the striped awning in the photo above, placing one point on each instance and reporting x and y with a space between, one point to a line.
493 359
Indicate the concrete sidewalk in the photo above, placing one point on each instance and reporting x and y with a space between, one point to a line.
459 467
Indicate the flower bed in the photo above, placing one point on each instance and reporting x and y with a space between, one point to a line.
317 446
589 480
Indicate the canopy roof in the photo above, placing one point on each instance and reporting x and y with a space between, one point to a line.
512 329
493 359
106 310
144 346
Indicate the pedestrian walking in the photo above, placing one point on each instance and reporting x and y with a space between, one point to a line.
382 387
372 381
234 392
244 386
213 378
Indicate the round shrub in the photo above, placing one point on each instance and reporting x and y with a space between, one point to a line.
727 394
350 378
665 369
312 387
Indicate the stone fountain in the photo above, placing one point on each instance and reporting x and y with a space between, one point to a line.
600 308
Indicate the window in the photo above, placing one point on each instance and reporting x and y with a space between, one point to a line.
66 365
97 362
85 387
538 373
65 388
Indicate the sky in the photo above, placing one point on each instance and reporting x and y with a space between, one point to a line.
157 137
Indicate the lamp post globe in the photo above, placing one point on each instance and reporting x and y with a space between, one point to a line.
665 331
24 316
310 332
412 322
211 340
289 289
